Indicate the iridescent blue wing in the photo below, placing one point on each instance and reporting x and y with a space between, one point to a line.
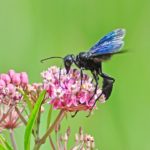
109 44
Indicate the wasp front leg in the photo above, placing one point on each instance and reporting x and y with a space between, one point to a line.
59 75
81 75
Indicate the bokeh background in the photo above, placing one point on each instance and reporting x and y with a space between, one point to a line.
34 29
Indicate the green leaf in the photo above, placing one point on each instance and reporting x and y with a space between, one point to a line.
31 121
4 144
2 147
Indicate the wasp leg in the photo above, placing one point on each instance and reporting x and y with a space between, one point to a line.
92 80
107 85
81 74
74 114
96 78
59 74
106 88
96 100
89 114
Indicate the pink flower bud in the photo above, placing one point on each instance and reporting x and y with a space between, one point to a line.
11 88
16 79
2 84
24 78
6 78
11 73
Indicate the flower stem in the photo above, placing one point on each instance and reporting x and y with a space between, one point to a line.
50 129
11 131
51 143
20 115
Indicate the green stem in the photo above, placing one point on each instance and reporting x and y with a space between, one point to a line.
50 129
51 142
13 139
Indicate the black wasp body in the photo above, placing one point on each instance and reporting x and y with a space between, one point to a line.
83 60
92 60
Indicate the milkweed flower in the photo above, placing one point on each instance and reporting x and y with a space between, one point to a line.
9 85
66 92
10 96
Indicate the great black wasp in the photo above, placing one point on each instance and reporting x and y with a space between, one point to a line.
92 60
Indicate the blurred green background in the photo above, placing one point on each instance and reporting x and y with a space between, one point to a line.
34 29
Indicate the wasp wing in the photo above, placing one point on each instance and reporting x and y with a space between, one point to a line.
109 44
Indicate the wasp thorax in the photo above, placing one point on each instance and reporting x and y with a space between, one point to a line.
83 55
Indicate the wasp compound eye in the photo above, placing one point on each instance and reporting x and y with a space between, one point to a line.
68 60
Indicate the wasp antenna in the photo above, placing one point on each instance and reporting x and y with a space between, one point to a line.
50 58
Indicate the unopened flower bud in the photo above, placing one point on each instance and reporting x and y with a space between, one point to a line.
81 137
2 84
92 139
88 144
24 78
92 144
6 78
11 88
11 73
16 79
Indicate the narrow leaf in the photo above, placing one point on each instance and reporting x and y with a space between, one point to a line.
31 121
4 144
2 147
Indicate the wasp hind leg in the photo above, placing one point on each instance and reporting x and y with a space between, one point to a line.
107 85
106 88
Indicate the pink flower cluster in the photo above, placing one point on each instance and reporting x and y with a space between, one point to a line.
9 84
66 91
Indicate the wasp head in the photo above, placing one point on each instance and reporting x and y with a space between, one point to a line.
68 60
